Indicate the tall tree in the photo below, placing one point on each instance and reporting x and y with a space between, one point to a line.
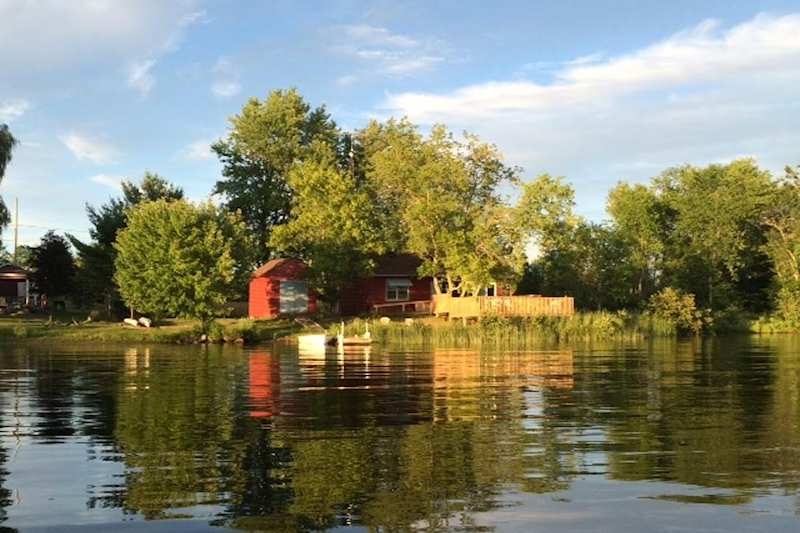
95 275
335 224
7 144
266 140
717 233
638 217
53 267
782 222
444 197
179 259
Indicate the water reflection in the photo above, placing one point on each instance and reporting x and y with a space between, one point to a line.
450 439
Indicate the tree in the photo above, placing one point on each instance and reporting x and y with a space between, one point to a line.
717 236
266 140
335 224
637 214
442 202
590 262
177 258
53 267
782 222
95 274
7 144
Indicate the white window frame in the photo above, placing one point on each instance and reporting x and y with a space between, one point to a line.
398 290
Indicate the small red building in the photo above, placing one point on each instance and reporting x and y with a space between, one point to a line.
14 286
280 287
394 281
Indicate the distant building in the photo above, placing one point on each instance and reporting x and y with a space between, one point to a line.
393 285
280 287
15 286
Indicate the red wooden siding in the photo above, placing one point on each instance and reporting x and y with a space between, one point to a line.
265 287
371 291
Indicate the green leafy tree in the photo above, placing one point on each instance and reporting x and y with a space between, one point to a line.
335 225
590 262
782 222
179 259
266 140
637 213
442 199
7 144
52 265
717 234
95 274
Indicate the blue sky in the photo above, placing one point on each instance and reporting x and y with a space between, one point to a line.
596 91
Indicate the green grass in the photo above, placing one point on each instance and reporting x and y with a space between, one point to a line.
511 332
171 331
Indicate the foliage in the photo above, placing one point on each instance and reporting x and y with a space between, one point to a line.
95 274
52 265
7 144
678 307
177 258
443 195
638 220
335 226
715 213
266 140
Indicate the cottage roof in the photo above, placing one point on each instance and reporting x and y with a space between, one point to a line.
11 271
397 265
273 266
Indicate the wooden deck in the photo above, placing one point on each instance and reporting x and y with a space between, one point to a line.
506 306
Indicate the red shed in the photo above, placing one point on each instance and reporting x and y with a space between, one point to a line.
279 287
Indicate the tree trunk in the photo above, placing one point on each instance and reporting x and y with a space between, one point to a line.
711 291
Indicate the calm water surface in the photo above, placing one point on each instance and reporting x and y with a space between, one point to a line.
661 437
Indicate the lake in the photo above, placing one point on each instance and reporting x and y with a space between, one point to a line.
661 436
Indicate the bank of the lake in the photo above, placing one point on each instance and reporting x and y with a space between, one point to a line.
168 332
507 332
517 332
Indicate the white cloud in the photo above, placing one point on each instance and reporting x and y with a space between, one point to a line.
346 80
199 150
107 180
95 151
698 96
699 55
226 83
13 109
226 89
372 35
139 76
387 53
106 33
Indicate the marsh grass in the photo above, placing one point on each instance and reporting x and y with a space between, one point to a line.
515 332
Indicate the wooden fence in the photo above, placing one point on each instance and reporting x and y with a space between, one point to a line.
480 306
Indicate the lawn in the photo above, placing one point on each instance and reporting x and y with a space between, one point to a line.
169 331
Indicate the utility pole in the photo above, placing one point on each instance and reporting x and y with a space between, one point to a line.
16 226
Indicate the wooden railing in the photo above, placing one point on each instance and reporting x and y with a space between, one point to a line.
420 307
480 306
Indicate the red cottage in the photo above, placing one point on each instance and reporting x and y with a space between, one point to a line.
14 286
394 281
279 287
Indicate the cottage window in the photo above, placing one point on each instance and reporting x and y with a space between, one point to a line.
398 290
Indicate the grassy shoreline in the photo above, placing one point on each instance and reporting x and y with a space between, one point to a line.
581 327
490 331
170 332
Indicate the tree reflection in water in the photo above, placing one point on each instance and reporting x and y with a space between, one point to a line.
270 439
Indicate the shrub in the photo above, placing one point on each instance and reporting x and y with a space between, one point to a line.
679 308
788 304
